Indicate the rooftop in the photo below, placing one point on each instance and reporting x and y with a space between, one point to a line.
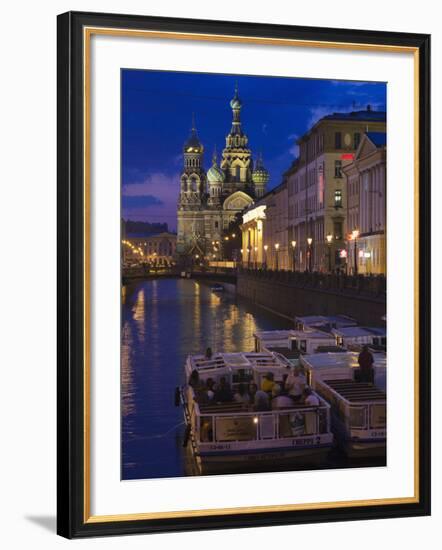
359 331
149 235
367 114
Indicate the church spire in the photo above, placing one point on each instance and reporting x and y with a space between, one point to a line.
236 105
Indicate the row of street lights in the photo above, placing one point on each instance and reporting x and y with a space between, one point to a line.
329 239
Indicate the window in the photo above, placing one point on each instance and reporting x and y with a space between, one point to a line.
237 173
338 168
338 198
356 140
337 227
216 225
338 142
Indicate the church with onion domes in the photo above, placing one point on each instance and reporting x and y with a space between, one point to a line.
209 201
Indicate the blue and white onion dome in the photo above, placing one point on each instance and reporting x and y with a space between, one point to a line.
260 174
215 174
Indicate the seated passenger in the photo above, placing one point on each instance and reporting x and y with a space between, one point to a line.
258 398
207 394
241 395
210 384
209 353
280 401
310 398
267 382
223 393
295 384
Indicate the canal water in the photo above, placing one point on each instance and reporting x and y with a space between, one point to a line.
163 320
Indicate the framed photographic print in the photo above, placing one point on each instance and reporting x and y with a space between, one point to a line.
243 229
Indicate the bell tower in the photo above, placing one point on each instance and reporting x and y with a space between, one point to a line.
193 177
236 157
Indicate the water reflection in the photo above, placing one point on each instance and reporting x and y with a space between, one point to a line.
162 322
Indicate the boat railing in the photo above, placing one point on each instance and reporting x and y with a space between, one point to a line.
367 416
213 426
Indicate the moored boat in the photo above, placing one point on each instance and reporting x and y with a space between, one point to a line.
234 436
358 409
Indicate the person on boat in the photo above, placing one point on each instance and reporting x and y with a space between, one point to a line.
223 393
280 401
210 384
295 384
310 399
259 399
209 354
194 379
366 370
206 393
241 395
267 382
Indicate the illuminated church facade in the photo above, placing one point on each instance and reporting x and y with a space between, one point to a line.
208 202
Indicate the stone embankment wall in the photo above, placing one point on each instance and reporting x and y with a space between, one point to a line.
290 294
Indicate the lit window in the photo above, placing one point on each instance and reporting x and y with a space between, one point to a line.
338 198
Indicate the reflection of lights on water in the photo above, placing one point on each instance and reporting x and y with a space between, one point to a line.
127 381
139 306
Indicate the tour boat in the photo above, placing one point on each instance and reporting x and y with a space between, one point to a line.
359 336
302 341
231 436
358 409
323 322
217 288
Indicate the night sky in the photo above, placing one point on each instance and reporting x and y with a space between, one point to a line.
157 109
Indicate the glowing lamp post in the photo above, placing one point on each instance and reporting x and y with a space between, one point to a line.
277 256
309 253
256 257
294 254
265 255
329 241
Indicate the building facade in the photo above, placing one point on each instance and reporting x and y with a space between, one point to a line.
156 250
208 202
264 232
317 190
366 206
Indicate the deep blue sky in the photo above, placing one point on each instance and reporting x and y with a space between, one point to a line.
157 111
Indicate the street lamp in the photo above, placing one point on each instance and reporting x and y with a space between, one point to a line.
256 257
266 246
248 257
354 236
329 238
277 254
309 253
294 253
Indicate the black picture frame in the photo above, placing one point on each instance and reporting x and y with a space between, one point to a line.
72 520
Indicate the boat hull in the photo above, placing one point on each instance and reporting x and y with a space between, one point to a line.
279 456
357 447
